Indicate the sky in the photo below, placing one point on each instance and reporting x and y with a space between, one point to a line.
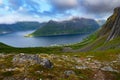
12 11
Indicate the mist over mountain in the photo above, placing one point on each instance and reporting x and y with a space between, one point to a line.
101 22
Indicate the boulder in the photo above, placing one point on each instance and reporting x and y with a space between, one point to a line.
46 63
32 59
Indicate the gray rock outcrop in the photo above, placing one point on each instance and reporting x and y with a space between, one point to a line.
32 59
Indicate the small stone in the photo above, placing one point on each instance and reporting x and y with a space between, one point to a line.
69 72
108 68
39 72
81 67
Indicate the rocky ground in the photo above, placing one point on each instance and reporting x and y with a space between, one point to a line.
57 67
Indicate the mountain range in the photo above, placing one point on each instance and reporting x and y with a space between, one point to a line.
19 26
73 26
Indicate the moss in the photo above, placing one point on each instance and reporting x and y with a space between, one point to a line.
8 73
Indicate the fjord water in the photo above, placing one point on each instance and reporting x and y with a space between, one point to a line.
17 39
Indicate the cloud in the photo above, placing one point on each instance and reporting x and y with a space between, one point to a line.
93 8
29 6
64 4
16 10
1 1
15 4
99 6
16 17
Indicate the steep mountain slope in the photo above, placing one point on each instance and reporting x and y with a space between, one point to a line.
115 31
108 37
112 26
19 26
74 26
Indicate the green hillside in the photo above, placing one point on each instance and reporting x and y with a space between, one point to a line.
74 26
4 46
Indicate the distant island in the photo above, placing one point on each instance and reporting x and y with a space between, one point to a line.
73 26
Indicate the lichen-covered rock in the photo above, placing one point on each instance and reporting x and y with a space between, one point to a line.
108 68
21 58
46 63
31 59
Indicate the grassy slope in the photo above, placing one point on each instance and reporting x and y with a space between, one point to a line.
4 46
93 43
6 49
85 42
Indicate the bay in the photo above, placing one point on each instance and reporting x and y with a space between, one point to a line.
17 39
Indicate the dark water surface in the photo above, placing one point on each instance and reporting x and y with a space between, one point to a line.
17 39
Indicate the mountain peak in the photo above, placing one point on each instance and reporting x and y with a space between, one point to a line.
75 18
117 10
51 22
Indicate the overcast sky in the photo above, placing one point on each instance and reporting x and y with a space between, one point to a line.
43 10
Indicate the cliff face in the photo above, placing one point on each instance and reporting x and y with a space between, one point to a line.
112 26
115 31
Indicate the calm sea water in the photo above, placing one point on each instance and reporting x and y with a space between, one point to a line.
17 39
